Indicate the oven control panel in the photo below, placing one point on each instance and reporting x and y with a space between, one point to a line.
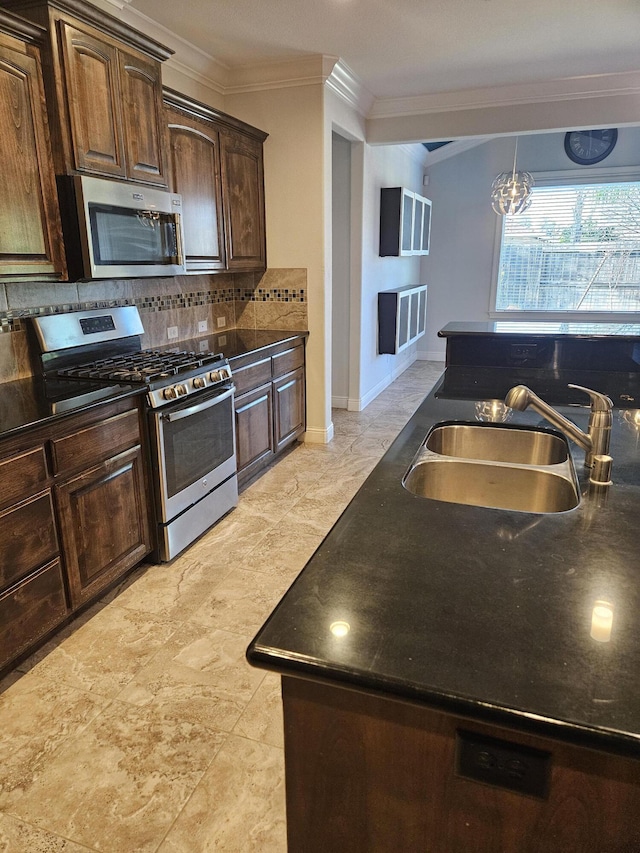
187 386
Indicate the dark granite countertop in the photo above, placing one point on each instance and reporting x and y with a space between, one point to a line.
234 343
545 328
477 611
33 401
30 402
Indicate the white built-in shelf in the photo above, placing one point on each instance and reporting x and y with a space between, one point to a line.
402 317
405 222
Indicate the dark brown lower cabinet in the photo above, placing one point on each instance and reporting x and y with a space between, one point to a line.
104 523
369 774
74 517
269 404
30 609
289 406
254 433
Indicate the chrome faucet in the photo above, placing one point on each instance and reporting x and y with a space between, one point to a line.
595 442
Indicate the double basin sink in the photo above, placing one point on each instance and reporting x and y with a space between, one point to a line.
495 465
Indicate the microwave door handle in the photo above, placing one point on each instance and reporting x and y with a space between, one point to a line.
179 247
199 407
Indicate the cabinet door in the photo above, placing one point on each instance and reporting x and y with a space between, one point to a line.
194 171
406 223
404 302
90 68
289 405
104 523
30 232
27 537
243 199
254 433
30 609
143 116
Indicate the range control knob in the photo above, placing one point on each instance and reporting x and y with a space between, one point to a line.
215 376
181 390
169 393
199 382
224 372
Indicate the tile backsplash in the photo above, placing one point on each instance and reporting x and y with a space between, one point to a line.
276 300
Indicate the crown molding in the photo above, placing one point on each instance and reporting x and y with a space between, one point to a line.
562 89
187 59
110 5
348 86
280 74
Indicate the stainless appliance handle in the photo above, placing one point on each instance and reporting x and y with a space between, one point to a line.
199 407
179 247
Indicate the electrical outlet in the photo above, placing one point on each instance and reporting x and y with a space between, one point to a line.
172 332
204 345
203 325
502 763
222 322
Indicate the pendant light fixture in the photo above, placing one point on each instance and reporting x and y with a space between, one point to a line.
511 191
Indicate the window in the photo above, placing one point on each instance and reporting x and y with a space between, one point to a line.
576 249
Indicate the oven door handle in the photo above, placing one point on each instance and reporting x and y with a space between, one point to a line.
199 407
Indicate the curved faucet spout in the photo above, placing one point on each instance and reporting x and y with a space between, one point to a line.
595 442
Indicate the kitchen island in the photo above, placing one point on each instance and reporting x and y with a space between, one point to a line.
442 688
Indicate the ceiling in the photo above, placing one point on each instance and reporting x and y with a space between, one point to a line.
400 48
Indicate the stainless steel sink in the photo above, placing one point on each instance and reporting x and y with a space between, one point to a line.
500 467
498 444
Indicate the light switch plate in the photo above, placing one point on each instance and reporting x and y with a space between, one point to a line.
172 332
221 322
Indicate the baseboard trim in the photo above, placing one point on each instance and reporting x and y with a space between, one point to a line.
339 402
358 404
318 436
430 356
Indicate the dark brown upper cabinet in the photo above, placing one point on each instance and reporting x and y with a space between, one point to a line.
104 92
194 172
30 232
216 164
243 192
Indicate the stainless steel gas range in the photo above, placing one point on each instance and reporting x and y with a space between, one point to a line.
189 412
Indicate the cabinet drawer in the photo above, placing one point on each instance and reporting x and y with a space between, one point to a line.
253 375
27 538
87 446
22 475
288 360
30 609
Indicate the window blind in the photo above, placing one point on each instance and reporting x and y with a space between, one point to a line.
576 248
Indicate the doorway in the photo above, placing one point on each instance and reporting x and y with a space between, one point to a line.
340 271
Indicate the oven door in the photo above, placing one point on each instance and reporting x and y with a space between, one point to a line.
194 447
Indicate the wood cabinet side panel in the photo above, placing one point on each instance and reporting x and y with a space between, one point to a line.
373 775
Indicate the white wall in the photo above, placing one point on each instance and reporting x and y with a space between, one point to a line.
371 169
294 166
459 267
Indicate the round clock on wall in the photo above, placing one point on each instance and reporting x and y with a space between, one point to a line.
590 146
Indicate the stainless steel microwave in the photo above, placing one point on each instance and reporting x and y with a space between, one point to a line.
115 229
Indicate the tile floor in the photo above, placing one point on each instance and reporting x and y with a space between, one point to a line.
141 727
